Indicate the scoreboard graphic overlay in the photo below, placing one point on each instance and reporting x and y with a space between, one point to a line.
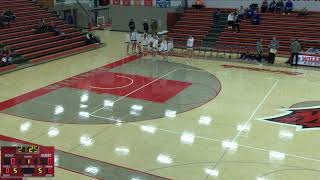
26 161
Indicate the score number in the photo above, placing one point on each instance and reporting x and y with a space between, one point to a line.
27 150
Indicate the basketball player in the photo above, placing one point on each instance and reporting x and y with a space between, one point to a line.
164 48
134 38
170 48
155 47
190 47
139 41
145 44
128 41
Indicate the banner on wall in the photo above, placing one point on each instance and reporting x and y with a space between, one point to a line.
309 60
163 3
148 3
126 2
137 2
116 2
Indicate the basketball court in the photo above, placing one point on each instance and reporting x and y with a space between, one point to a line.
123 117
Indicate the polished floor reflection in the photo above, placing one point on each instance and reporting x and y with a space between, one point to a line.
155 120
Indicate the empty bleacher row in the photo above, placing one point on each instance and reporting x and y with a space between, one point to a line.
35 47
284 27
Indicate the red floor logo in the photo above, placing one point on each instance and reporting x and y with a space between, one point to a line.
306 117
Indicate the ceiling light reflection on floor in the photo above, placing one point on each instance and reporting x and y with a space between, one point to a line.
86 140
24 127
285 135
122 151
187 137
84 97
53 132
205 120
275 155
164 159
212 172
230 145
84 115
148 128
244 127
107 103
92 170
170 113
58 110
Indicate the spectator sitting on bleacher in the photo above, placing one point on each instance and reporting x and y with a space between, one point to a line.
42 26
2 21
230 20
264 6
255 18
9 15
55 29
272 6
303 12
241 12
249 12
6 56
199 4
91 39
279 6
289 7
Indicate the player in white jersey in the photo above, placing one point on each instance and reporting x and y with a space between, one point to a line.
150 42
145 44
134 39
155 44
170 48
139 41
164 48
128 41
190 42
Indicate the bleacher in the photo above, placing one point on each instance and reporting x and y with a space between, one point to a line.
284 27
198 23
33 47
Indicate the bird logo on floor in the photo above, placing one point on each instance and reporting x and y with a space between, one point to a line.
305 115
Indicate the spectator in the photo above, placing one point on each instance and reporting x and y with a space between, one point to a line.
154 26
259 49
295 50
236 24
91 39
272 6
255 18
264 6
273 49
199 4
145 26
241 12
279 6
216 18
42 26
6 56
230 20
289 7
2 21
9 15
249 13
132 25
